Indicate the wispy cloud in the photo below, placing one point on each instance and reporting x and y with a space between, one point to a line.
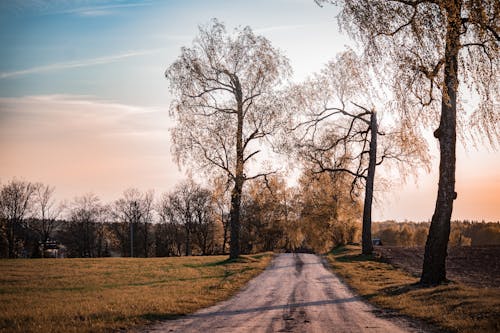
74 7
102 9
77 63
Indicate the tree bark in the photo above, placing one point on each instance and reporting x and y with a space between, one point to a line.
234 244
11 238
188 239
225 226
367 246
434 267
146 239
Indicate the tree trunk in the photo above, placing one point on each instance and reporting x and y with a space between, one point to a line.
234 243
11 238
131 239
434 268
188 239
367 246
225 227
146 239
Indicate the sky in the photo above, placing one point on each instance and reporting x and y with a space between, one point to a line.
84 101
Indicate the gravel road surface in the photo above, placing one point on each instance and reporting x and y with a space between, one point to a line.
296 293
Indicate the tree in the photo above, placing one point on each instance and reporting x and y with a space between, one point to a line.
148 208
83 231
169 236
135 210
328 215
189 205
221 202
225 105
265 215
204 222
428 47
47 214
16 201
338 130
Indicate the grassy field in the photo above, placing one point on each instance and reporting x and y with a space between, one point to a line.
110 294
454 307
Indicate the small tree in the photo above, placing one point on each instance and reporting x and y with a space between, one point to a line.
204 223
47 214
189 205
328 215
221 203
16 202
135 210
225 105
81 233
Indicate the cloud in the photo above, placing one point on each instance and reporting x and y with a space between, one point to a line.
77 63
81 144
64 7
102 10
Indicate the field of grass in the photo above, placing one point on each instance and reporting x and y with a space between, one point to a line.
454 307
110 294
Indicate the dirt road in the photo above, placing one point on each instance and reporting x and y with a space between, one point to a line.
296 293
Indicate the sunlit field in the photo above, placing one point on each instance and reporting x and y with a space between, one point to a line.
456 307
102 295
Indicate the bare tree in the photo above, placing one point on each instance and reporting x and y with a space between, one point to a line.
179 210
338 131
225 105
16 201
190 206
204 223
47 214
169 232
148 207
81 235
135 209
221 202
428 48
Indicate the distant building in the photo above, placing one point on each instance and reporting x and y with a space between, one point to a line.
54 250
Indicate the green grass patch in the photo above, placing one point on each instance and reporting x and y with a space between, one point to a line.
111 294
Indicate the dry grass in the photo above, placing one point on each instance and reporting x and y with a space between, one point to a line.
454 307
103 295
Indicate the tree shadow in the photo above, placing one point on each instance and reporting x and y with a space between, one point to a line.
241 260
236 312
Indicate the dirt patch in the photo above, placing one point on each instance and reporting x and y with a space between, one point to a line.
477 266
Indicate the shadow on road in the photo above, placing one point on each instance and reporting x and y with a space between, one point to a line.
275 307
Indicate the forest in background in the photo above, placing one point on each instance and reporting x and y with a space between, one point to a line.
317 215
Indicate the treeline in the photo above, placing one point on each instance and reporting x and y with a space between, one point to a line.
463 233
316 215
190 220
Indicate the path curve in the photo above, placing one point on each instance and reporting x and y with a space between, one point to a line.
296 293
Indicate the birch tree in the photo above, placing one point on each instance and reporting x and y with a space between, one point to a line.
433 51
225 106
338 131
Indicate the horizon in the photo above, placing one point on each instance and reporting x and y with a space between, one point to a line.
84 102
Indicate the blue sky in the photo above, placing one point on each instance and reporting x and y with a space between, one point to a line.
84 102
119 49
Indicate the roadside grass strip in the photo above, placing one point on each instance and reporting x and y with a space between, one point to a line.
453 307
